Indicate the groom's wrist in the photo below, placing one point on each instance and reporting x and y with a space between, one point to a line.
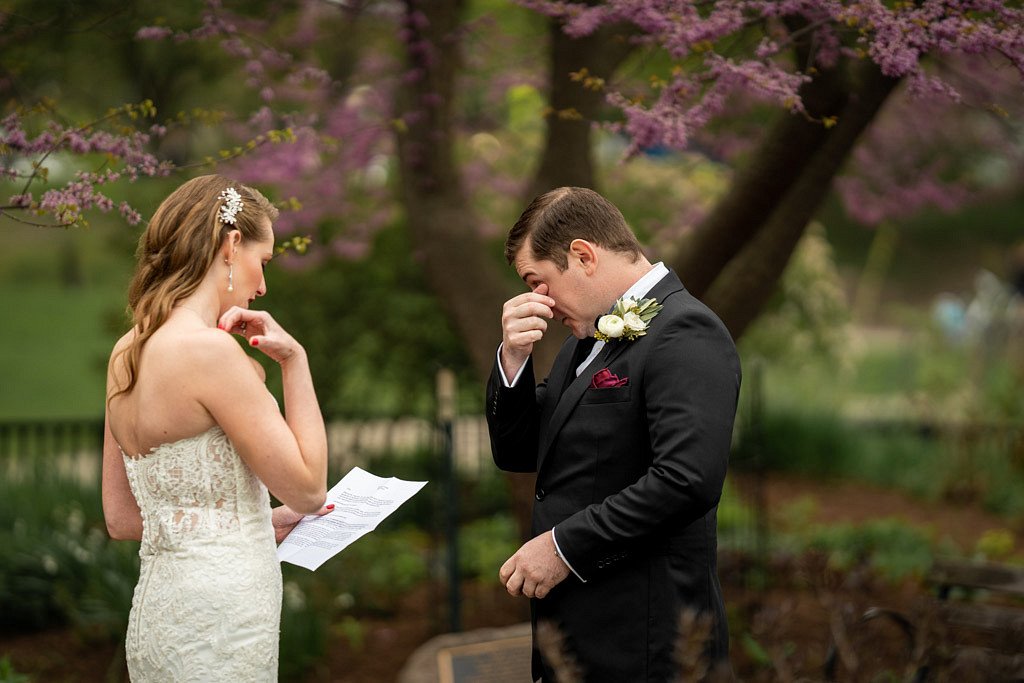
558 552
509 368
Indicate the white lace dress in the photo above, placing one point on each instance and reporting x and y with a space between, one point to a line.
208 603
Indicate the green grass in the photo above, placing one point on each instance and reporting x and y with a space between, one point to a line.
54 344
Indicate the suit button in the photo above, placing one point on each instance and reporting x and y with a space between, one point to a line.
540 494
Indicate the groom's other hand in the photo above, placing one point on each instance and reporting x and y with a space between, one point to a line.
524 319
535 569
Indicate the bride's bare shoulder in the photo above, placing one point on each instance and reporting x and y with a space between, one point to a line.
122 343
215 352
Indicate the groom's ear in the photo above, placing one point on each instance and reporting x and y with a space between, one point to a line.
584 253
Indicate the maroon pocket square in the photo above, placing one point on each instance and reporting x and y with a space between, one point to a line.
604 379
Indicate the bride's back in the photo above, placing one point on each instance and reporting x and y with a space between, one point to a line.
164 405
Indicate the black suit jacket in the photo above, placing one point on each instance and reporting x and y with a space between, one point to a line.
631 477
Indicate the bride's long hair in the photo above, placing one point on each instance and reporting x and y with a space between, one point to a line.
175 252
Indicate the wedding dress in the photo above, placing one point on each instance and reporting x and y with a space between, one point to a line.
208 603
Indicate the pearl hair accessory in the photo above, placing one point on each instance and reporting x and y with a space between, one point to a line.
232 205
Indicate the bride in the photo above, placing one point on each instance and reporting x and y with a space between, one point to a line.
193 440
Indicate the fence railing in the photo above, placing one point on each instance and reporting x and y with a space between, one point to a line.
75 446
68 447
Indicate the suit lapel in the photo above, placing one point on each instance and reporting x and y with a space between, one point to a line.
558 409
560 376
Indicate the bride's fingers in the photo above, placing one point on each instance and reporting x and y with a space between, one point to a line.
233 318
237 320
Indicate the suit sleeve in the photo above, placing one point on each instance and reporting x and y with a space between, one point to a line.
513 419
690 386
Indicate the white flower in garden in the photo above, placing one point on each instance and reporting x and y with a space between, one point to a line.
293 596
611 326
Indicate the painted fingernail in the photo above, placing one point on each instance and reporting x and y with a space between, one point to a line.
330 507
254 341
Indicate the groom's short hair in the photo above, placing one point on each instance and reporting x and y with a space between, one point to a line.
554 219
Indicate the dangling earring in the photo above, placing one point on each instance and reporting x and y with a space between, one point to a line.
231 277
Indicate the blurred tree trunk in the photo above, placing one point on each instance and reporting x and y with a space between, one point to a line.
567 159
465 275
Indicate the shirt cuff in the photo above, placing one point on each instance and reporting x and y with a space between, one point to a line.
558 551
501 371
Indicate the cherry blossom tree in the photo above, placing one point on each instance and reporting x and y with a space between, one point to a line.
795 97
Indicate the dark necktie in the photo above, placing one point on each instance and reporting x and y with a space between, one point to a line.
582 350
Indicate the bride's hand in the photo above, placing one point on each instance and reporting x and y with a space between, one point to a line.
261 331
284 519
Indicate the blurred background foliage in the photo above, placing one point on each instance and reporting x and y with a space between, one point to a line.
889 356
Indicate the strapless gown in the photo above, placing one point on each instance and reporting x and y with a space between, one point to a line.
208 603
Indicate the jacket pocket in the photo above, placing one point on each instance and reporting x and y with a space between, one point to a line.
609 395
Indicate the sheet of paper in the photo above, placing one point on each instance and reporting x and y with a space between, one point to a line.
361 501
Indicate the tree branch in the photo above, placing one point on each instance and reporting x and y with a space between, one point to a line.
775 166
743 288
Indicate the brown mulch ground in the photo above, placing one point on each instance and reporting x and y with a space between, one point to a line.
790 624
852 502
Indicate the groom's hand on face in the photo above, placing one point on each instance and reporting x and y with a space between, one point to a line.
535 569
524 319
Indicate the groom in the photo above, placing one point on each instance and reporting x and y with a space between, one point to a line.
629 438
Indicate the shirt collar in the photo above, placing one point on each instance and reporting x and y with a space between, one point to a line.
647 282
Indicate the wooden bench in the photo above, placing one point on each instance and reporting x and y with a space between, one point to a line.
972 630
982 604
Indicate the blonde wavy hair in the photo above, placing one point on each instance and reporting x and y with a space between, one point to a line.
177 249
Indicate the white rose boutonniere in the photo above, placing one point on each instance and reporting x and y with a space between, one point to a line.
629 319
611 326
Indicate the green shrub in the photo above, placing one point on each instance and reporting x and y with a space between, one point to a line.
8 674
891 547
737 521
59 566
304 629
812 443
485 544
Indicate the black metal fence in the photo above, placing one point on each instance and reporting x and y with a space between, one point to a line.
76 444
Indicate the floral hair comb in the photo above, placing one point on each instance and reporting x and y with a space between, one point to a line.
232 205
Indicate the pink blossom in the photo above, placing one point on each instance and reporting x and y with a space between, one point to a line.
153 33
131 216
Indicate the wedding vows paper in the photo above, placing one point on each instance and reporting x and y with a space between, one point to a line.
361 501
